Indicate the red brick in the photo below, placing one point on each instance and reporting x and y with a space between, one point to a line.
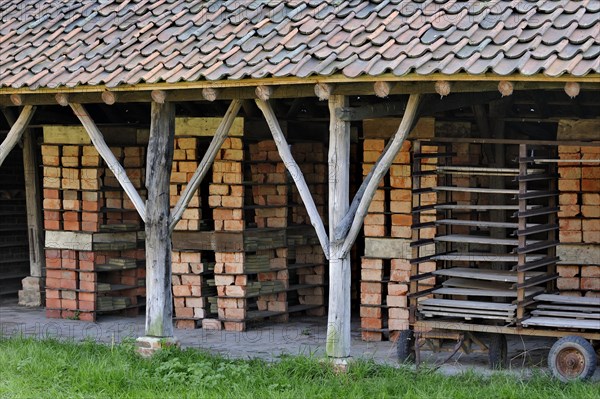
371 323
53 303
590 185
569 185
590 283
181 290
397 301
370 299
567 270
591 199
397 289
569 211
53 313
370 288
371 336
370 311
371 274
87 316
592 237
568 283
87 285
570 224
590 211
398 313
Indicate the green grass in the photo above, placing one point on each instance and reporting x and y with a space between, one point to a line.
53 369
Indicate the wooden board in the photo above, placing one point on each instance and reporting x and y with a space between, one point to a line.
457 282
485 274
80 241
473 239
468 304
477 190
466 316
574 315
483 257
491 293
578 254
77 135
538 321
575 300
187 126
571 308
479 223
474 312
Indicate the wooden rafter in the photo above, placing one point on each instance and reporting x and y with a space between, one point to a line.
16 132
207 161
109 158
296 173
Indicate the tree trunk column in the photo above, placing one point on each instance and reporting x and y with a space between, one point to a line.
159 303
338 326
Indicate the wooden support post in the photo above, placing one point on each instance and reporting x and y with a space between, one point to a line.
207 161
366 192
31 294
159 306
16 131
338 323
106 154
296 173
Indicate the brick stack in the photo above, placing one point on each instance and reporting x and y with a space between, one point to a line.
75 289
191 288
579 218
185 163
307 262
270 197
227 198
82 195
384 282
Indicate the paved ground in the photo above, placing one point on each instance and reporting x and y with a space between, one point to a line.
301 336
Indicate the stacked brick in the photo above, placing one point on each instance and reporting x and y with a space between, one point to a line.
227 200
384 282
185 163
80 194
307 262
191 288
76 289
270 198
579 217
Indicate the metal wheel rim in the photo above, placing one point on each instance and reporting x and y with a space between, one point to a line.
570 363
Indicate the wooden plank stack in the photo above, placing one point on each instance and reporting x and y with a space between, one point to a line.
579 218
81 195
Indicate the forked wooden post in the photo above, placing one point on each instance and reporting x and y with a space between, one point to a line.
296 173
159 306
16 131
338 323
205 164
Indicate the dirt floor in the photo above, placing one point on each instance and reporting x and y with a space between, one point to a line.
300 336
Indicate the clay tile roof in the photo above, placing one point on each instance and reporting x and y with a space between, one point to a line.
54 43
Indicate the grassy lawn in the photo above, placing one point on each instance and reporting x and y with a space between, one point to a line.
52 369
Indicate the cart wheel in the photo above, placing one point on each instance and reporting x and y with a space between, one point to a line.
498 352
406 346
572 358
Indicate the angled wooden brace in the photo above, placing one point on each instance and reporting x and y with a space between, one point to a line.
296 173
16 132
112 162
357 216
207 161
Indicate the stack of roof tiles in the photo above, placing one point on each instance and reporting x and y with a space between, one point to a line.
46 43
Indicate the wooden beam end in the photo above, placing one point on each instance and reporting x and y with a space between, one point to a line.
109 97
382 89
572 89
264 92
62 99
159 96
443 88
210 94
16 99
506 88
323 91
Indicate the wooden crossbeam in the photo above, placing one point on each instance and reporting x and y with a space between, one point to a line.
207 161
296 173
16 132
380 169
112 162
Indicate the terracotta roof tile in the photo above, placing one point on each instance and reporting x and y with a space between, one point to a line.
49 43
